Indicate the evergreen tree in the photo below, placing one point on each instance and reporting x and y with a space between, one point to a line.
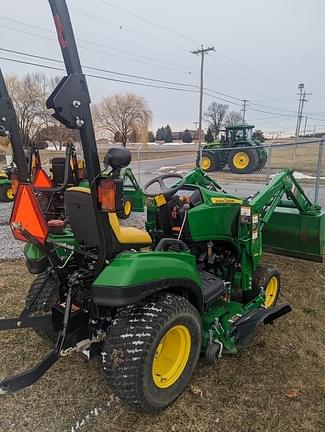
187 136
151 137
168 134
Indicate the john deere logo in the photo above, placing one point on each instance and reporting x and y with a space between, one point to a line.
223 200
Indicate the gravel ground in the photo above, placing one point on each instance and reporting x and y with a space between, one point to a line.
10 249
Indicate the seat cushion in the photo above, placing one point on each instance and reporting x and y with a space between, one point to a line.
128 235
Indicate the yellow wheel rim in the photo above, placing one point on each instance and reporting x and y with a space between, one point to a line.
241 160
271 292
205 163
127 208
10 194
171 356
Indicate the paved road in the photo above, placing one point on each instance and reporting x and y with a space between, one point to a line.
146 170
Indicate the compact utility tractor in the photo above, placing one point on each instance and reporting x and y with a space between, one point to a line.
151 301
238 149
6 192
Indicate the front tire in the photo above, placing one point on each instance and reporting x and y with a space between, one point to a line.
6 193
151 351
126 211
266 277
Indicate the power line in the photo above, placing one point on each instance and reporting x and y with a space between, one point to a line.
98 69
177 68
100 76
148 21
129 29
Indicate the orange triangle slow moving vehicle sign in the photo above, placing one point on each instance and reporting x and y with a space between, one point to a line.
27 214
42 180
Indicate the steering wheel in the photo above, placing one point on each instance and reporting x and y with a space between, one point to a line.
167 191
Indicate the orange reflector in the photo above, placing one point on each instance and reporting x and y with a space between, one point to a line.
106 194
42 180
28 215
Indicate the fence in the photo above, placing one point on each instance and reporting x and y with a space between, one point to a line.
240 170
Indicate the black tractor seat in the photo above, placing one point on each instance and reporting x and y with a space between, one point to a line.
79 210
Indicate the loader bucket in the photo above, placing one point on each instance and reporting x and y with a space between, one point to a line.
293 234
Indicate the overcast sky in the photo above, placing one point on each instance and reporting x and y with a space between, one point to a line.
263 50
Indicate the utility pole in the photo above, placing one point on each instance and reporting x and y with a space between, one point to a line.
300 88
195 126
202 51
305 125
302 99
244 109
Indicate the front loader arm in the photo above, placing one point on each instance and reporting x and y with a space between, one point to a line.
265 202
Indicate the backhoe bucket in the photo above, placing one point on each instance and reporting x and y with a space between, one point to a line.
293 234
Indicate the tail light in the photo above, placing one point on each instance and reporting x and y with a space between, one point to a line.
106 194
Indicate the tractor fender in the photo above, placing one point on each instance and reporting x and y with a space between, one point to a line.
131 277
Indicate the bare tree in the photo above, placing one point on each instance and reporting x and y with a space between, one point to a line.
29 96
215 115
233 118
123 115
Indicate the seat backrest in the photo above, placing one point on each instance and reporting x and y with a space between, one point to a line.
57 168
80 212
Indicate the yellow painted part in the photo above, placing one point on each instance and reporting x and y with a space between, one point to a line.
124 235
127 207
160 200
10 194
241 160
271 292
128 235
205 163
171 356
221 200
79 189
3 175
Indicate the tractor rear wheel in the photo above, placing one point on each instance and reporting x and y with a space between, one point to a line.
266 277
6 193
243 160
126 211
151 351
48 297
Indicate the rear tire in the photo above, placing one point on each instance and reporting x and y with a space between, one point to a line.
266 277
6 194
48 297
243 161
151 351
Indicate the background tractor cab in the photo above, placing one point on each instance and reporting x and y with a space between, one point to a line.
238 149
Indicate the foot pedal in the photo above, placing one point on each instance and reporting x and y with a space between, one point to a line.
212 287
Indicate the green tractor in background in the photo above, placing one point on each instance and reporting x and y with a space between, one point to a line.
6 193
238 149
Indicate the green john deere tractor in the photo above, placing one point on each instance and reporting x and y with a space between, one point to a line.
151 301
238 149
6 193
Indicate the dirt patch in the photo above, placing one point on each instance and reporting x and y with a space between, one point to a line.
277 384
